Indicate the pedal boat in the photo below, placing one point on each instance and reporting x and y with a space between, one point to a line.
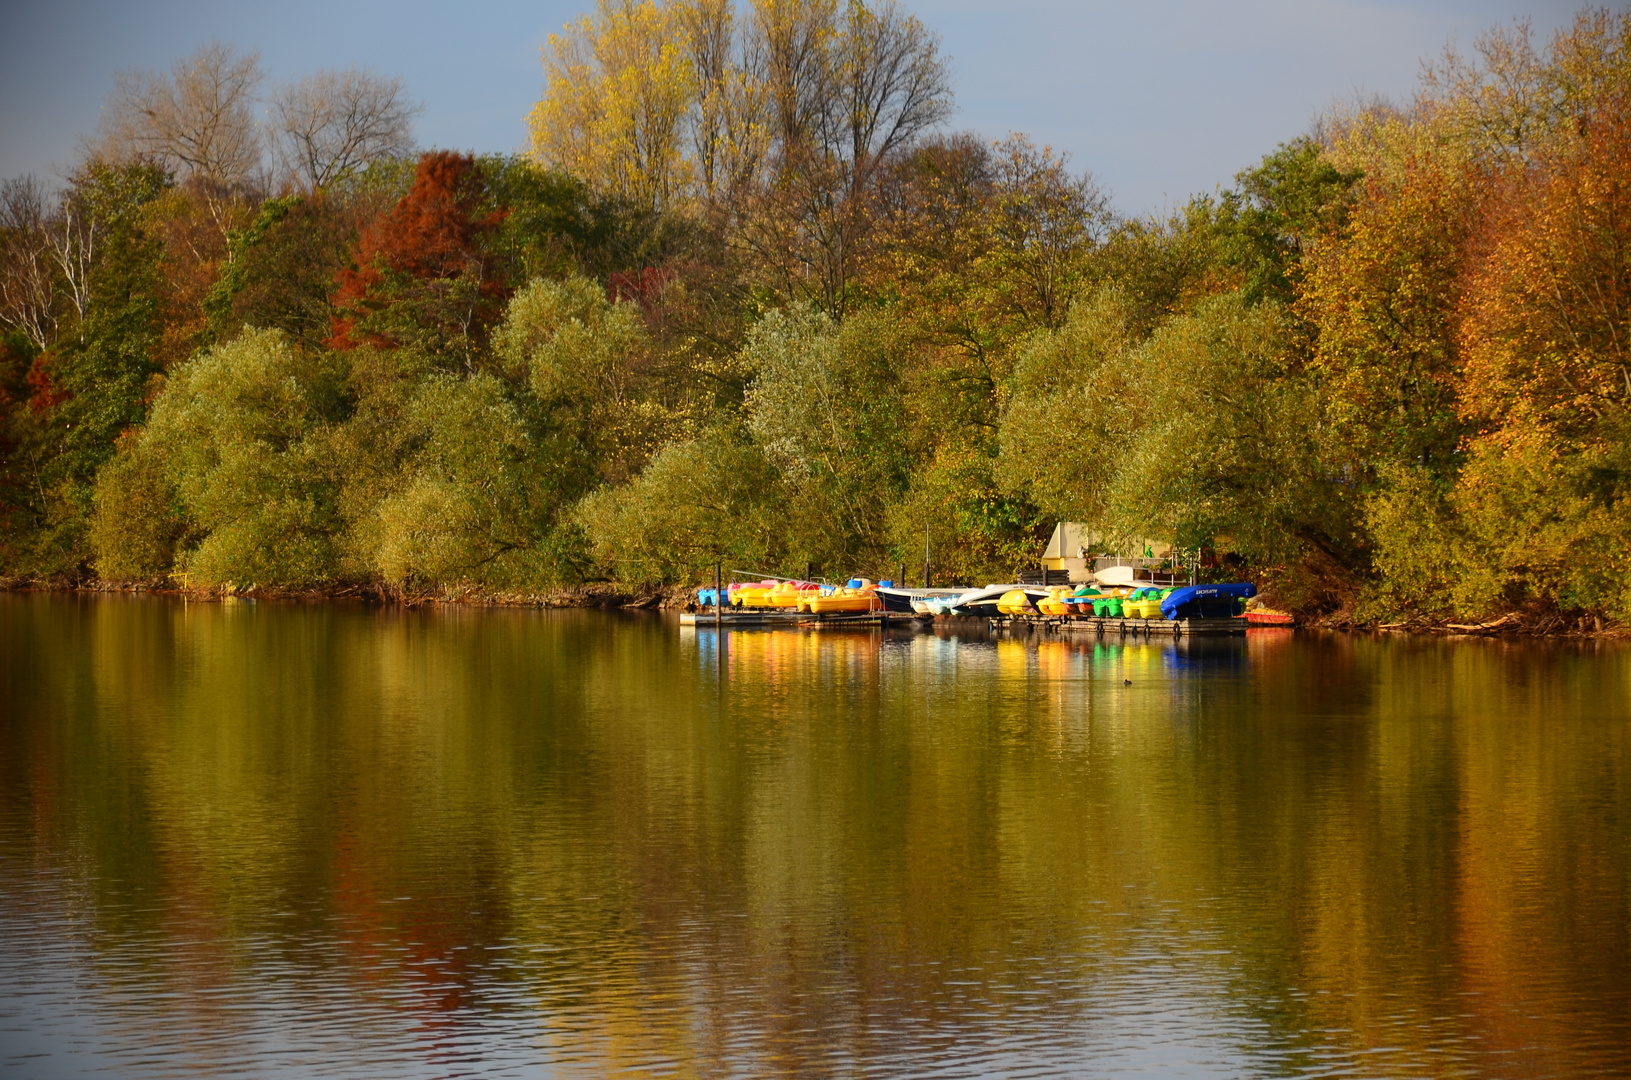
846 602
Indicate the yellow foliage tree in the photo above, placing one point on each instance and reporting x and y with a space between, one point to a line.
620 88
783 123
656 103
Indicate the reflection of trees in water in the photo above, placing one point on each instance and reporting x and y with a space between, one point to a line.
862 844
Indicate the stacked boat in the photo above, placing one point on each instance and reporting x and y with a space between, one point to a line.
861 596
1146 602
904 601
858 596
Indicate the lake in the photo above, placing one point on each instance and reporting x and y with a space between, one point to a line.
280 839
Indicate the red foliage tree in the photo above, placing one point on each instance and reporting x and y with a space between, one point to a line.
45 392
643 286
421 270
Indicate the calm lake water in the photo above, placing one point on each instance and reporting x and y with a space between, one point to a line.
288 840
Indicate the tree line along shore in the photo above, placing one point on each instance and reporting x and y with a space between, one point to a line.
749 298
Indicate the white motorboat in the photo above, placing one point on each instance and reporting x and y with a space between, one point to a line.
907 600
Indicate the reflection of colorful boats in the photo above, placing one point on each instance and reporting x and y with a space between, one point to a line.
740 616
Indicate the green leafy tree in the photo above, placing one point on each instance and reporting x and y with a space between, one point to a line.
715 498
463 512
89 386
238 435
825 407
281 270
592 378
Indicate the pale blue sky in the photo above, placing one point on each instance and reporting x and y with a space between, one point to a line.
1158 99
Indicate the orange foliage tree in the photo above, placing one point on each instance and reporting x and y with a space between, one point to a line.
1382 298
1547 308
1544 319
422 274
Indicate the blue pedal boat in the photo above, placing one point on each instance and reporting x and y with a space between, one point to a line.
1207 601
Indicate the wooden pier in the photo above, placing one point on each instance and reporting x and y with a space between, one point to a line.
732 618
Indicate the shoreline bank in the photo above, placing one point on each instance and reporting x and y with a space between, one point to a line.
592 595
613 595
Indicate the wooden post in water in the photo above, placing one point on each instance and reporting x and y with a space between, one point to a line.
718 619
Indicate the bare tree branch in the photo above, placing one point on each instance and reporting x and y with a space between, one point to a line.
27 292
196 120
333 123
74 236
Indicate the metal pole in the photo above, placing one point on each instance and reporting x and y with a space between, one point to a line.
900 582
925 556
718 621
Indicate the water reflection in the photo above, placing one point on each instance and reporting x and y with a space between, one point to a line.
347 840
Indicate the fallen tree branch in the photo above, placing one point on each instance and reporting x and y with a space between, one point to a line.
1502 621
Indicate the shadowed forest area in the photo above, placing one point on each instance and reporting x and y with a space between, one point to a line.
749 297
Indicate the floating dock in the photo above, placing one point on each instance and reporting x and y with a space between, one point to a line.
742 617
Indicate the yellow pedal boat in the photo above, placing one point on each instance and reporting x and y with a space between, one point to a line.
1015 602
844 602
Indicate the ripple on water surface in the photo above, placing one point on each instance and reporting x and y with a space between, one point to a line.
283 840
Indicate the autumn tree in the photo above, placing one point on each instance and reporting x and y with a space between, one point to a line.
89 385
421 274
1543 324
661 104
29 290
782 123
1382 299
978 244
1547 303
331 124
621 88
1045 220
848 89
1468 315
196 120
